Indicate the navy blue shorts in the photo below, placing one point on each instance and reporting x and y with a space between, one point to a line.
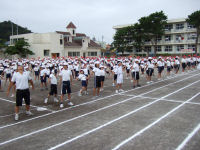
97 82
102 78
84 83
66 87
8 76
43 79
36 73
53 89
22 94
159 69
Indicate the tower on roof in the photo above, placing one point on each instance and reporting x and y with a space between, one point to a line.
71 28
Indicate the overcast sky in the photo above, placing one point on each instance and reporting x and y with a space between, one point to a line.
92 17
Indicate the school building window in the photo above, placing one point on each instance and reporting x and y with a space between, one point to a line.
73 54
46 52
168 48
147 48
168 27
168 38
179 47
61 41
92 53
190 26
191 47
158 48
179 26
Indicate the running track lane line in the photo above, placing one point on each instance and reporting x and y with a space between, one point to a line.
112 121
186 140
43 129
154 123
90 102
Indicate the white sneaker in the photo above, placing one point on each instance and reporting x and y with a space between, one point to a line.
29 113
113 84
55 100
70 104
121 90
159 79
16 117
12 95
61 105
45 100
116 91
148 82
86 93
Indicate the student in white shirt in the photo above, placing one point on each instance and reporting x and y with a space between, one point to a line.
183 63
97 80
22 80
8 74
43 78
119 78
176 65
159 65
114 72
149 70
169 66
102 76
66 80
53 87
135 73
36 71
83 79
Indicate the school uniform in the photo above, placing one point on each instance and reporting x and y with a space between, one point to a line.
53 80
43 75
83 79
119 75
97 78
8 72
150 67
183 61
159 64
135 71
66 74
102 75
168 63
22 87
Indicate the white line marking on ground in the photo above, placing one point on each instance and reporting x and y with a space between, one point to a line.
169 100
182 145
10 101
90 102
112 121
154 123
63 122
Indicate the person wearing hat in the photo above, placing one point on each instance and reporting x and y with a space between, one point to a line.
22 79
43 77
8 74
102 76
159 66
66 80
176 65
135 68
36 71
114 72
83 79
97 79
53 87
149 70
183 63
168 64
119 78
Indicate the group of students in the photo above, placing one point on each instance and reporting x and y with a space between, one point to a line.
20 71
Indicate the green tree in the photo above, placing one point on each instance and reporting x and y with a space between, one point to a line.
21 48
153 27
194 19
122 40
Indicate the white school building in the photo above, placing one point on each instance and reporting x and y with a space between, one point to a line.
179 38
59 43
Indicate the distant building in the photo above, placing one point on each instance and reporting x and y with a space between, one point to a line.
59 44
179 38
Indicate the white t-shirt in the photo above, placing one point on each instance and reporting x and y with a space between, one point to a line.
135 68
43 72
96 71
53 79
65 74
102 72
82 77
21 80
8 71
159 63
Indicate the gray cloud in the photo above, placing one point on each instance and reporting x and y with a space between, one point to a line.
95 18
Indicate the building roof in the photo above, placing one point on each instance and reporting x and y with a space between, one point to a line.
67 33
71 25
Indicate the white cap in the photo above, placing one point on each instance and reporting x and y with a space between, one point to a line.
65 64
150 58
136 60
